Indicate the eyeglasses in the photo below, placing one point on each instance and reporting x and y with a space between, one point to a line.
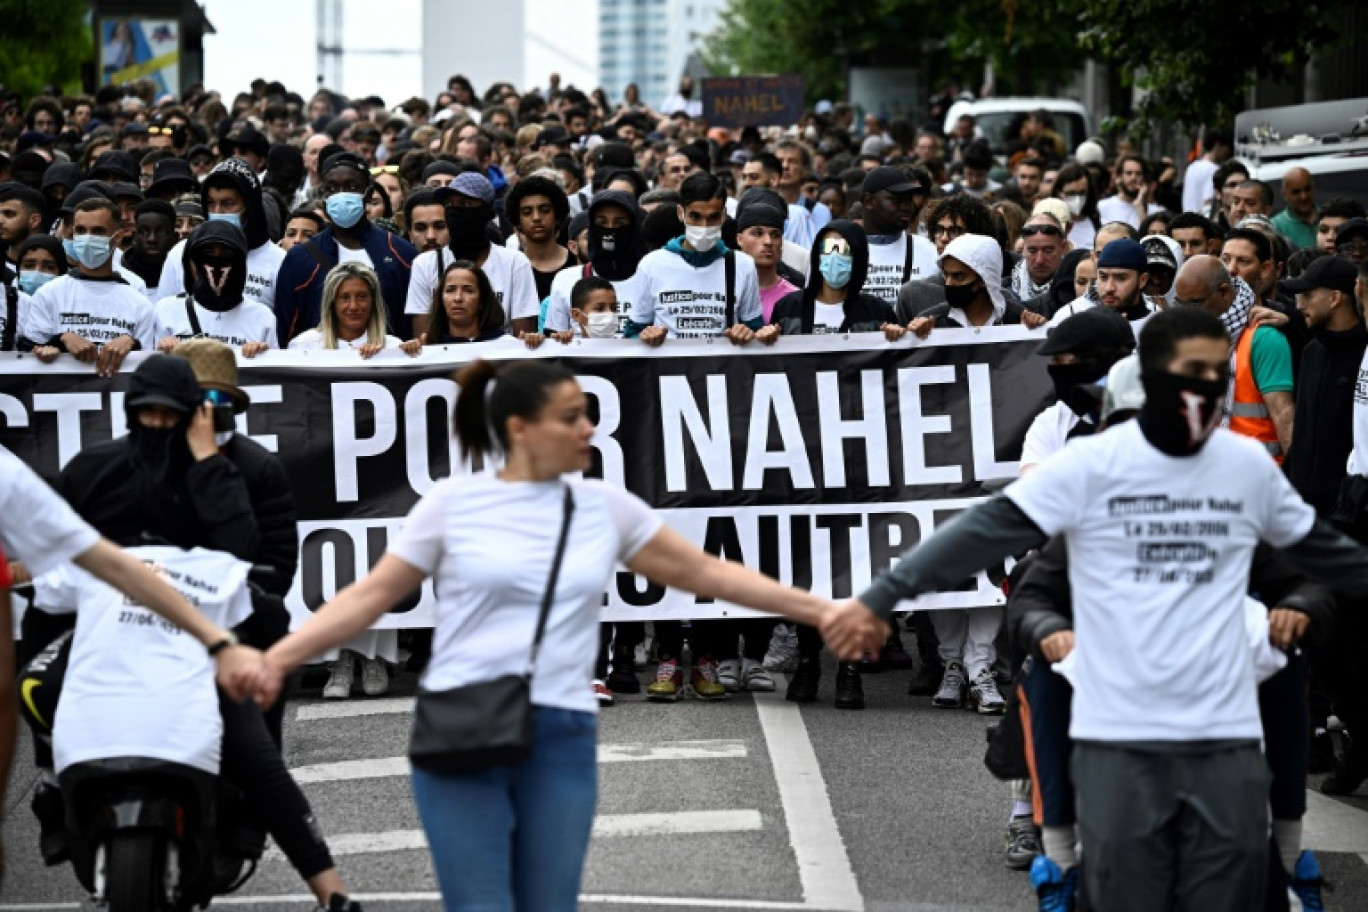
384 169
1051 230
950 231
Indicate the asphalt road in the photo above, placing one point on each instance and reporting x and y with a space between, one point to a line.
751 804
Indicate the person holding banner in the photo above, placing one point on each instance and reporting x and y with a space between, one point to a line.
504 548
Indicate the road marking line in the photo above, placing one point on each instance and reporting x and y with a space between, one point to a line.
1333 826
311 712
823 865
390 767
303 899
605 826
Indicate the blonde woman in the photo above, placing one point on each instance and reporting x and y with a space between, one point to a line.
352 315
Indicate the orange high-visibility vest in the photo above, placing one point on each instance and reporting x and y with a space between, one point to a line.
1248 413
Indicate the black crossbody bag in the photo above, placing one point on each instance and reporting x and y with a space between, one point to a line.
469 728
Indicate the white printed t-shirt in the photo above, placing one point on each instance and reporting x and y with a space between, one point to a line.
263 265
249 321
509 272
37 526
98 310
691 303
887 262
1159 555
558 310
136 684
488 545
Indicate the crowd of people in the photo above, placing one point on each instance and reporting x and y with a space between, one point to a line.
134 222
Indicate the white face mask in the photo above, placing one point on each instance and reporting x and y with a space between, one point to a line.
601 325
702 237
1076 202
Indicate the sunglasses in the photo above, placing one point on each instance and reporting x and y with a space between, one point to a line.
384 169
1032 230
160 131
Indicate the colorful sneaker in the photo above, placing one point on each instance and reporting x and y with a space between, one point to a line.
603 694
1056 890
782 655
339 686
984 696
704 680
1305 885
755 678
665 687
893 656
729 675
951 693
1023 843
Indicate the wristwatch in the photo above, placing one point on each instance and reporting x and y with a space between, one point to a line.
229 640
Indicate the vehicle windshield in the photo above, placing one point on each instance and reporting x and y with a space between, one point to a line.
1001 127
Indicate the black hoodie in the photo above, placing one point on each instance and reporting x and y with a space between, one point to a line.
231 285
617 264
795 313
238 175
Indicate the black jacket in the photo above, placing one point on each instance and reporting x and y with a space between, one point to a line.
1323 424
795 313
940 315
238 501
1041 604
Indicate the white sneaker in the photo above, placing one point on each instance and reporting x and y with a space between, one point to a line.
374 677
339 684
782 655
755 678
641 655
729 675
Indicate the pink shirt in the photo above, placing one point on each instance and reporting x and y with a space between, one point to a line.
772 295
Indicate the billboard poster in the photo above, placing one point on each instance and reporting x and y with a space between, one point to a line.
132 49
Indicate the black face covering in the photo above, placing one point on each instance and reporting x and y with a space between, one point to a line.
156 450
1180 413
614 257
219 281
961 296
466 225
1071 382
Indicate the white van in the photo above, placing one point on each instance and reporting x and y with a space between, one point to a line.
1328 139
999 118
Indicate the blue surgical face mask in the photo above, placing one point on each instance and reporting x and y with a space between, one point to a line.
232 218
836 269
92 250
345 209
69 248
32 280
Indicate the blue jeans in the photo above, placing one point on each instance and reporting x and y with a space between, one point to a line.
514 837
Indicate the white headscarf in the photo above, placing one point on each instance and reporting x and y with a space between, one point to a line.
983 255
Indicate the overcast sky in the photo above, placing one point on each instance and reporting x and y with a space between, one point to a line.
275 39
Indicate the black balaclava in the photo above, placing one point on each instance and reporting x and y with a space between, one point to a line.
161 380
1180 413
219 279
615 252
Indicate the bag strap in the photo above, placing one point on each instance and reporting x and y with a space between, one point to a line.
11 318
907 259
550 594
193 317
729 261
317 253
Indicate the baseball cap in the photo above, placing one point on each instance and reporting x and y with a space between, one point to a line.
887 177
1157 253
1353 226
1090 152
344 160
471 184
1094 329
1332 272
1053 206
1124 391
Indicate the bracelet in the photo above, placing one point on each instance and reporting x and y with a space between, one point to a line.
229 640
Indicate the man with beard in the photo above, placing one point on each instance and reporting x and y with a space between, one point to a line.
469 202
614 253
349 237
1131 203
215 306
1122 279
154 234
892 202
232 193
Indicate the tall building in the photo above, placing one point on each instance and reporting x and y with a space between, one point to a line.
517 41
649 42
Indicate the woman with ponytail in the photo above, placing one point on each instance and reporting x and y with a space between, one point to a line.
514 836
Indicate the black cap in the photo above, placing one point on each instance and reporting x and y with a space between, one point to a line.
134 127
1157 253
121 190
249 139
163 380
1332 272
552 136
344 160
887 177
171 176
1353 226
122 166
1095 329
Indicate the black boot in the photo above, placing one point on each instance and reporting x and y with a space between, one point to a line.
930 669
1348 775
623 679
50 810
849 689
802 686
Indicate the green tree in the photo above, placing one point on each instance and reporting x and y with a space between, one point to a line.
43 42
1194 61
